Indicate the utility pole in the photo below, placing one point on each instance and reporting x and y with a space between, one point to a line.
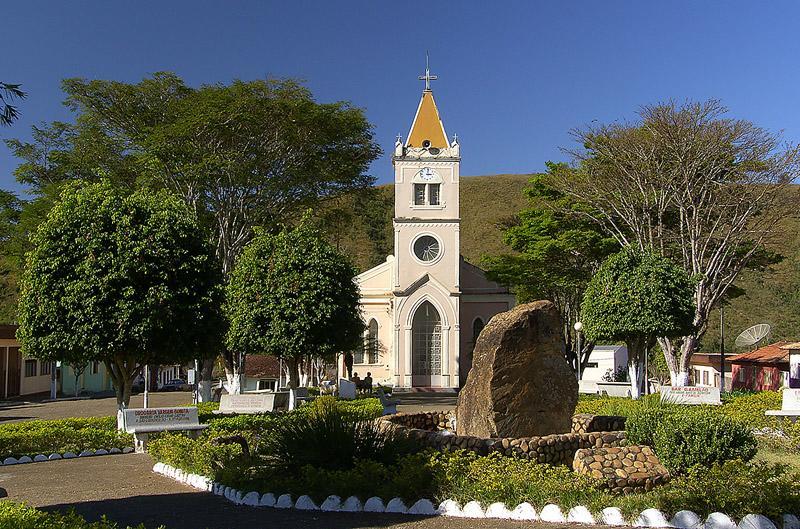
146 385
722 346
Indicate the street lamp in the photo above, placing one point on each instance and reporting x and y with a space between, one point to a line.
578 328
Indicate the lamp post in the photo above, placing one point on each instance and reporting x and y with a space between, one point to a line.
578 328
146 399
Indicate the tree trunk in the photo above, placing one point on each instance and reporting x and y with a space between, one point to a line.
205 380
637 349
122 375
678 361
294 374
234 371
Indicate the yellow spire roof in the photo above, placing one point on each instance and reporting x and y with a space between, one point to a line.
427 125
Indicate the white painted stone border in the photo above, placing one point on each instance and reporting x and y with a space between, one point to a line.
55 456
473 509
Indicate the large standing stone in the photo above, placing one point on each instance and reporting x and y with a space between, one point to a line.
520 384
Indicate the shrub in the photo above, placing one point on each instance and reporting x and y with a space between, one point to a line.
749 408
701 437
205 410
644 419
19 516
330 436
64 435
465 476
735 488
198 456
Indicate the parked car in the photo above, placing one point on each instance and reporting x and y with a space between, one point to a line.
176 384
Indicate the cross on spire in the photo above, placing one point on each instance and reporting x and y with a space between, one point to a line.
427 77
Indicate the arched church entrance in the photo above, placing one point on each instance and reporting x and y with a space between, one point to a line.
426 346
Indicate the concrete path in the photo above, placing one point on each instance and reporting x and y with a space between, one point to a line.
23 410
125 489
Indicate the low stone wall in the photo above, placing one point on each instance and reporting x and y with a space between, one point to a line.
431 429
624 469
431 421
586 422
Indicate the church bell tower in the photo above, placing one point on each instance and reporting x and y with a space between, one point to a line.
426 220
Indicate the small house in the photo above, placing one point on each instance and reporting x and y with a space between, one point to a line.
261 373
794 364
704 369
604 361
20 375
764 369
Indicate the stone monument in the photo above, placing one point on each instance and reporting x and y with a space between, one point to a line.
520 384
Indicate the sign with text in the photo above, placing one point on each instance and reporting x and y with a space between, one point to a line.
247 403
143 417
791 399
690 395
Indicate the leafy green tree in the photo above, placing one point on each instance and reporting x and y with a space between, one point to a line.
293 296
636 297
240 155
127 280
556 252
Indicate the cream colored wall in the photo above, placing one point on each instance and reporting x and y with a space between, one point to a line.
380 310
30 385
445 268
405 170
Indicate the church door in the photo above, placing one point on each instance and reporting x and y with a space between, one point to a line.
426 346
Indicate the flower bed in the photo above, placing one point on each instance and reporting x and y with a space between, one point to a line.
406 477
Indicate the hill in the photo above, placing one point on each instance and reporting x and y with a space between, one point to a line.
362 227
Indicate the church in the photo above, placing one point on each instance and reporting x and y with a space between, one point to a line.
425 305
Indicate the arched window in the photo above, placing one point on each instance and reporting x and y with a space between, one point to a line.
371 343
477 327
426 342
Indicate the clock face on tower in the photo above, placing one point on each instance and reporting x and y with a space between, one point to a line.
427 174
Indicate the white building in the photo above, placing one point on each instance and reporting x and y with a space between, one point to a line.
603 359
424 306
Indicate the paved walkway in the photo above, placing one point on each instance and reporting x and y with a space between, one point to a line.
14 411
125 489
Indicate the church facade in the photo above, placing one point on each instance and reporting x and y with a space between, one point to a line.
425 305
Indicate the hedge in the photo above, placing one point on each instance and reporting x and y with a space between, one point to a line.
64 435
19 516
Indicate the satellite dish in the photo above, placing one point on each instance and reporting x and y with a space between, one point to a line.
753 335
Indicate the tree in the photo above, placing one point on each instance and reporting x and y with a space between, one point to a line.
126 280
636 297
8 93
698 187
241 155
292 295
556 252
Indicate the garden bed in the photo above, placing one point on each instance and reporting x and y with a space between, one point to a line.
411 473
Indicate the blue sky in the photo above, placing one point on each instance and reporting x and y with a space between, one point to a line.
514 77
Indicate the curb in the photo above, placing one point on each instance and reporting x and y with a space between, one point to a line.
55 456
473 509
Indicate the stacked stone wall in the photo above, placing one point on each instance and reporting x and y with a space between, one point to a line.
431 429
586 422
624 469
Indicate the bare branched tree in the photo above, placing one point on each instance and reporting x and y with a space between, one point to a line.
699 187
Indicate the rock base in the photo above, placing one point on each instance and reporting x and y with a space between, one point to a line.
625 469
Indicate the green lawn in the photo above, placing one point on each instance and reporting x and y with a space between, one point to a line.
772 455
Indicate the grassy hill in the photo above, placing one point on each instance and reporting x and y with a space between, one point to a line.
363 229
